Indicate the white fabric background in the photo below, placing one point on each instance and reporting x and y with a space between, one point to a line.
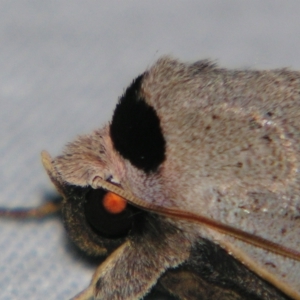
63 65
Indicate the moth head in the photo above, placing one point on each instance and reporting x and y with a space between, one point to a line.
124 153
97 220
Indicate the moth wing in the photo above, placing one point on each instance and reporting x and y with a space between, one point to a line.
282 272
245 178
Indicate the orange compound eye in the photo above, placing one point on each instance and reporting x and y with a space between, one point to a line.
113 203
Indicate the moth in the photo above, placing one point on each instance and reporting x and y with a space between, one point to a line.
192 187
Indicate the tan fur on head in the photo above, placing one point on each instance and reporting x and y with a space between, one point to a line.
87 157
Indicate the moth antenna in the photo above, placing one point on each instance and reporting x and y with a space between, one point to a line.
39 212
183 215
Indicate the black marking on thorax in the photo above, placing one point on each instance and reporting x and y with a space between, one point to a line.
135 130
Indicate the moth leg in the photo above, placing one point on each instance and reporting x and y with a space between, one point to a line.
42 211
187 285
87 294
130 271
212 273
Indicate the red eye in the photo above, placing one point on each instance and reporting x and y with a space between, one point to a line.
108 213
113 203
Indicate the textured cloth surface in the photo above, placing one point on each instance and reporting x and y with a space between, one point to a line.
63 65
